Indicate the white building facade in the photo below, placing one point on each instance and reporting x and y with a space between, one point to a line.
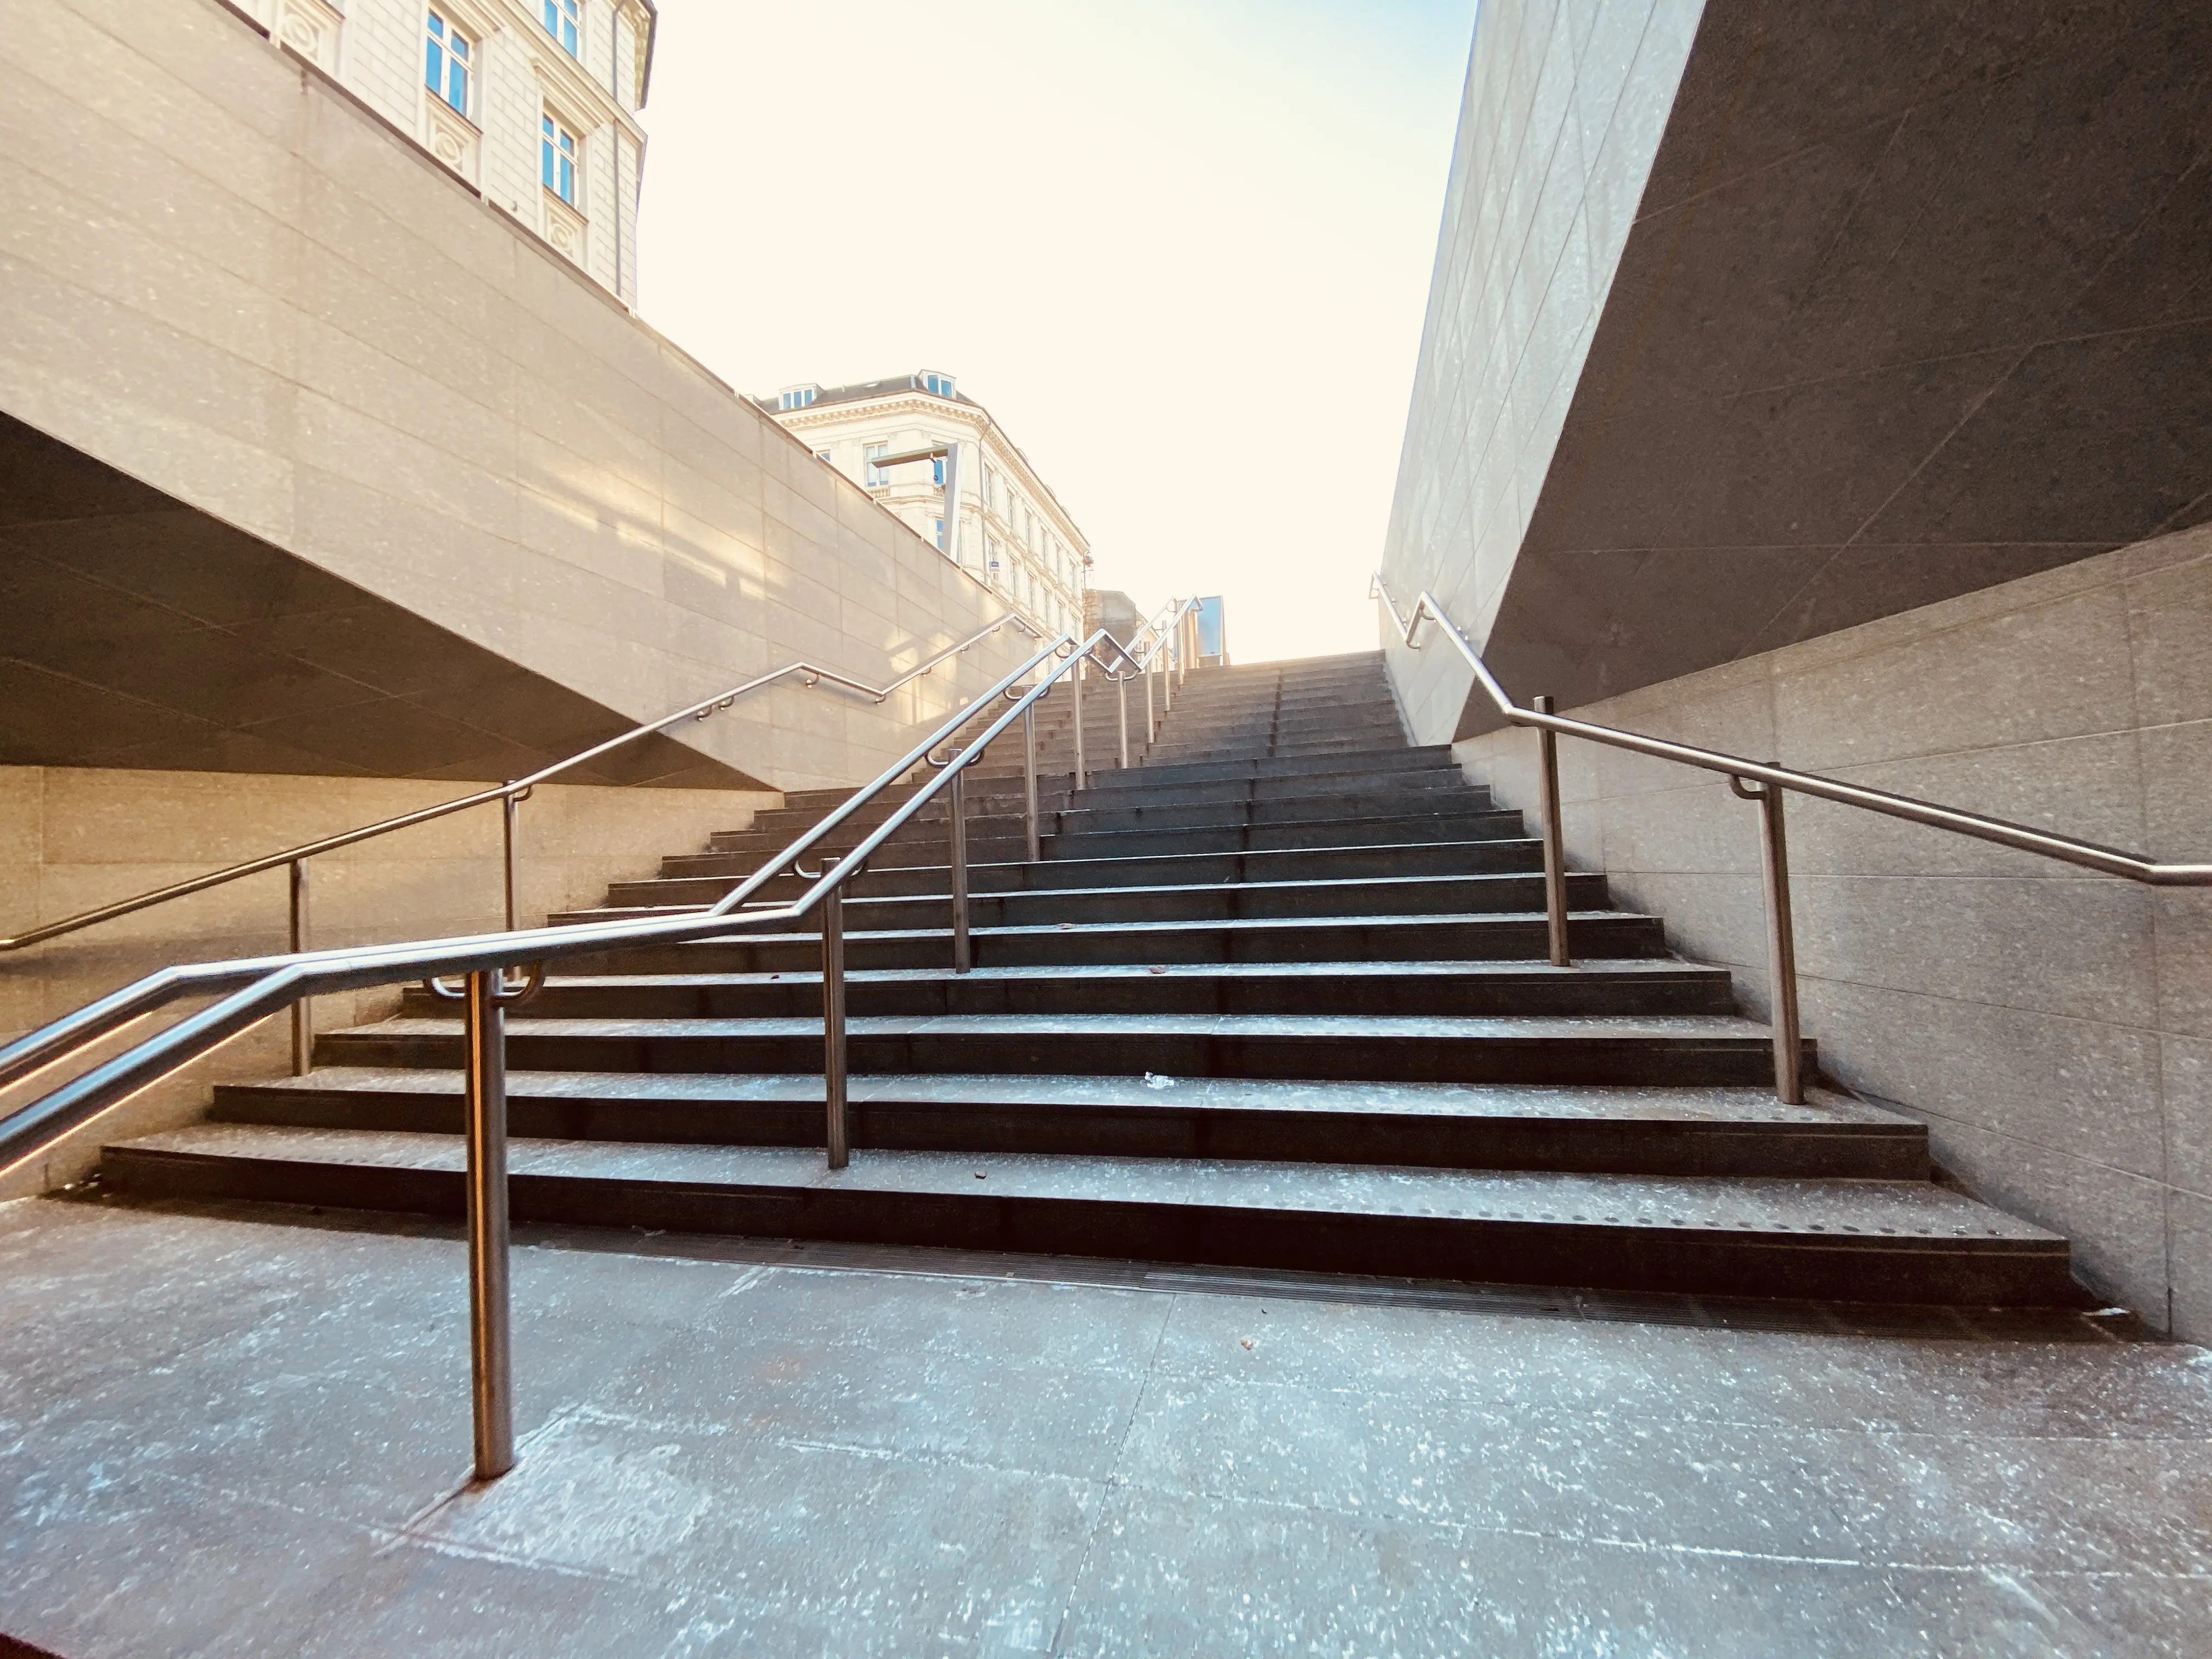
1011 533
534 102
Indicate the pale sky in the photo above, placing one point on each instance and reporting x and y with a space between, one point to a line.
1180 249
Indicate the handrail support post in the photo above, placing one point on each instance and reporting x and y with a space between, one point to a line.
1122 717
1028 780
1082 775
1152 721
491 1352
957 849
1555 849
838 1125
303 1008
1781 941
510 804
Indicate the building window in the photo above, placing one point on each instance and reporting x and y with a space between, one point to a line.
797 397
869 454
822 455
449 63
558 152
941 385
561 22
937 470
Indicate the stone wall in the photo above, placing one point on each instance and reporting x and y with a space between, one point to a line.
2053 1027
74 838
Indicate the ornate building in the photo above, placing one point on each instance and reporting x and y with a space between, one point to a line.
533 102
1012 532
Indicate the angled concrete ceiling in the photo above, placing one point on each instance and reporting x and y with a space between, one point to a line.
1918 300
136 631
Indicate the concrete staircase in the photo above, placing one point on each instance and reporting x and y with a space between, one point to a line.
1276 997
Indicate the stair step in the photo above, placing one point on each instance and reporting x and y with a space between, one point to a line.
1638 1131
1598 935
1479 894
1250 766
1445 858
1268 987
1671 1050
1902 1241
1271 837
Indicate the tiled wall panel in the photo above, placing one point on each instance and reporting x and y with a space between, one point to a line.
2053 1027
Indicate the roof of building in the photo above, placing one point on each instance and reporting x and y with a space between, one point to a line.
885 388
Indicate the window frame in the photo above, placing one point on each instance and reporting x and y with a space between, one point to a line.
556 161
440 33
564 21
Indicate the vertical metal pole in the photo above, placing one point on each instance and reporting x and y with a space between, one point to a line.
303 1011
839 1129
1152 725
1167 671
1122 716
1029 780
1555 850
1781 945
491 1352
1082 773
508 808
961 960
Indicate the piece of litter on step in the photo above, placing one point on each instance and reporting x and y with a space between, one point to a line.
1154 1080
1066 927
1248 1341
1158 968
980 1175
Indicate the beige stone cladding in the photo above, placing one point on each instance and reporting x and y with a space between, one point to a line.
1561 118
227 276
74 838
2053 1026
1014 536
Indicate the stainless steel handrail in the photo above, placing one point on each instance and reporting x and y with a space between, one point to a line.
260 986
1765 783
513 793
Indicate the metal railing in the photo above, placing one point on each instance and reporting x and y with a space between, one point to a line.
1765 783
509 797
252 989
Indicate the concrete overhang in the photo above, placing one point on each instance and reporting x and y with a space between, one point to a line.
1917 299
138 632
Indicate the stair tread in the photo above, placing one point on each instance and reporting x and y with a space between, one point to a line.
985 974
1486 844
1586 1028
1867 1213
1827 1111
1395 919
1475 880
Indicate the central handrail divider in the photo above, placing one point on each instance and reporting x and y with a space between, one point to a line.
260 986
1765 783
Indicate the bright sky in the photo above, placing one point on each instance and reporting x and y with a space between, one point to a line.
1182 258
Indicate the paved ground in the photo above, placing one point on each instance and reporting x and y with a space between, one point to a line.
233 1437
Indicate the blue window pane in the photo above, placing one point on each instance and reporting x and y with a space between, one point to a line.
561 21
